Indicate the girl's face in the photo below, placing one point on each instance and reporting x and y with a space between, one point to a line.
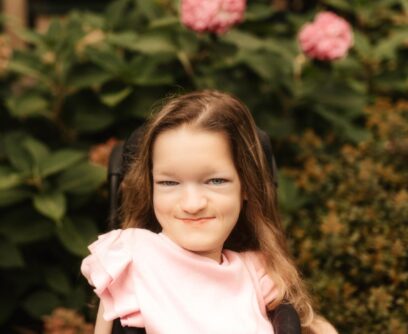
197 193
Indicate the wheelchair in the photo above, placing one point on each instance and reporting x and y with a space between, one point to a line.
284 318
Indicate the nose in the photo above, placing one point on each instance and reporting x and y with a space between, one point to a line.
193 200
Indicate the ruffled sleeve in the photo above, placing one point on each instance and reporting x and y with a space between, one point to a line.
108 269
267 287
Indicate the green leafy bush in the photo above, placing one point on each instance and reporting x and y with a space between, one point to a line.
349 234
44 196
93 77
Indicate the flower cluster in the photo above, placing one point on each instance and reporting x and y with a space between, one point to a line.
99 154
216 16
328 37
66 321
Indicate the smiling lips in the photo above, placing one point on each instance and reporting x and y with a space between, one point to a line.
199 220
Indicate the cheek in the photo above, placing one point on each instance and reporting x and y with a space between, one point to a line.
162 204
232 206
157 204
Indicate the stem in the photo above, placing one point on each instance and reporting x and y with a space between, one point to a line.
57 107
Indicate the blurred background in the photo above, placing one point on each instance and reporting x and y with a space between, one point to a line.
327 79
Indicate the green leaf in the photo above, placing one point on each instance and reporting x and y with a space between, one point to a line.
10 256
16 152
155 44
31 36
95 120
339 4
289 196
124 39
87 228
140 104
109 60
13 196
72 239
341 98
83 178
392 83
261 63
345 127
87 76
387 48
282 48
146 72
278 127
113 99
242 40
256 12
362 45
28 105
37 150
55 29
9 178
338 95
24 226
51 204
57 280
77 298
24 152
25 68
187 42
164 22
150 43
148 8
40 303
115 11
59 160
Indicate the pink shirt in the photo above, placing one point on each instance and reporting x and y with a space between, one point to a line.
147 280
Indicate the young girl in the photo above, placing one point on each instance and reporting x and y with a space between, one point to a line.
202 249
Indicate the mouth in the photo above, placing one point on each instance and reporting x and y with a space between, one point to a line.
200 220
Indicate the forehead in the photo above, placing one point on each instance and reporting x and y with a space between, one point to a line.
189 148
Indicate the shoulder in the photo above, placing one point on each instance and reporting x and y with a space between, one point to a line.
113 253
254 259
110 269
120 237
257 267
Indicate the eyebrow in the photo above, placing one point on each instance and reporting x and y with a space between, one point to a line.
221 173
164 173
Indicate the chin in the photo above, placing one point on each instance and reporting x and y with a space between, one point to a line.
200 245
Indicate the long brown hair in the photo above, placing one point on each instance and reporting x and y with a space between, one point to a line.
259 227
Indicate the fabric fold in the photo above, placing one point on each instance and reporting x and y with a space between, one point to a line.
108 269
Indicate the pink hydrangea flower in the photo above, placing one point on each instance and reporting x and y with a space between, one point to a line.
328 37
212 15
